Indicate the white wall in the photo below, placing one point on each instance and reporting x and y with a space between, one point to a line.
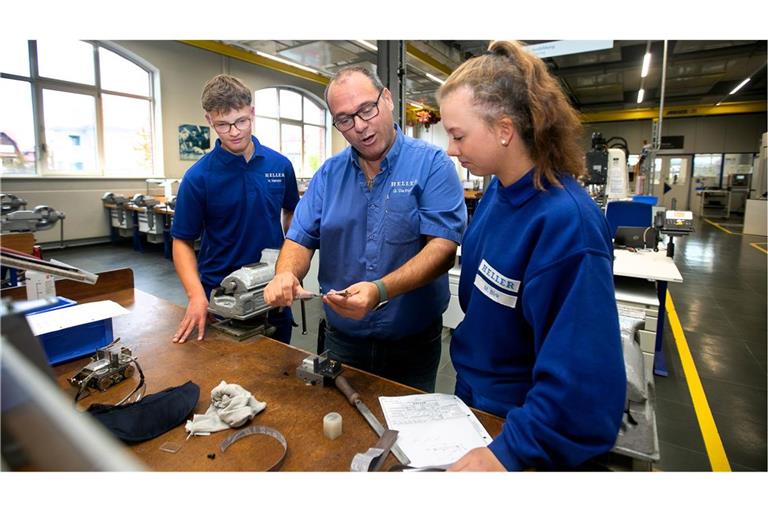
712 134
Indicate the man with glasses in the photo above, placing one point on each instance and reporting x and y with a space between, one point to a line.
387 215
232 199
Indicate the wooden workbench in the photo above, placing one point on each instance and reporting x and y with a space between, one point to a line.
265 367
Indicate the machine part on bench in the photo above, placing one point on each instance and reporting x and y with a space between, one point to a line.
319 369
332 426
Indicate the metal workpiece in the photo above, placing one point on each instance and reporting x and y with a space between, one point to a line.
319 369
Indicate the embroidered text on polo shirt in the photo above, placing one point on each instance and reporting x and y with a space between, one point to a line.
403 186
275 177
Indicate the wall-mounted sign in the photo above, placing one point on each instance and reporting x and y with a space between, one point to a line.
555 48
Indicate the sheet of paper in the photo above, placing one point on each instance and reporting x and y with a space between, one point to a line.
58 319
435 429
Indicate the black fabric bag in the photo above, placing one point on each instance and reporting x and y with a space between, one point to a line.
149 417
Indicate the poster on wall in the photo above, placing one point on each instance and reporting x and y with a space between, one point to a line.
194 141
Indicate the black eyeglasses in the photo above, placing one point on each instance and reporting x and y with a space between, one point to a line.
366 113
241 124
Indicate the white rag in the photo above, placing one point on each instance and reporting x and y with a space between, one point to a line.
231 406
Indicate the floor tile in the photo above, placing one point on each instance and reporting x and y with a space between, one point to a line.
678 458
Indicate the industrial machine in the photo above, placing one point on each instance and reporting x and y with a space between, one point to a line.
739 188
607 168
240 299
16 220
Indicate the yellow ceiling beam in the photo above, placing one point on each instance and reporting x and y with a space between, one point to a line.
743 107
427 59
240 54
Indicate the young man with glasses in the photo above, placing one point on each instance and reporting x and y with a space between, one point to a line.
387 215
232 199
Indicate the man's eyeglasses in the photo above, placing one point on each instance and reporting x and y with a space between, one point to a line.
241 124
366 113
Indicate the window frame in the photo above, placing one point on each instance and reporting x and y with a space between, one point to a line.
302 123
39 84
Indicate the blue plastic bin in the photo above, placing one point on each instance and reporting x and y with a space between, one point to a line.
61 302
74 342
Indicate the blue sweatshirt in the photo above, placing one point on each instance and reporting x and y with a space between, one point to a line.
540 342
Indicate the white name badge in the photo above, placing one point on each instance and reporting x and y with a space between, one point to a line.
495 295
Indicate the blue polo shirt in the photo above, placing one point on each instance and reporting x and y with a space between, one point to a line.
235 206
365 234
540 342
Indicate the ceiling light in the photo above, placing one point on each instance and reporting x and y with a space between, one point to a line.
435 79
640 95
414 104
286 61
368 45
646 65
742 84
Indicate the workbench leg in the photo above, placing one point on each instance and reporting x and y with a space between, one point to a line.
659 362
137 245
167 245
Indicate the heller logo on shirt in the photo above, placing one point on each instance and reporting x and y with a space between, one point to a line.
275 177
505 283
403 186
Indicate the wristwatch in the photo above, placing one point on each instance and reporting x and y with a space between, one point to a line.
383 297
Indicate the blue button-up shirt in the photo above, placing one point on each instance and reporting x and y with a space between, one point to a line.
365 234
235 207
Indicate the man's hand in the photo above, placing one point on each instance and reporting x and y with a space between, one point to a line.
194 318
360 298
282 290
477 459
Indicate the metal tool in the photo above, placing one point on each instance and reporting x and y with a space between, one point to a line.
373 459
19 260
343 293
354 399
22 221
254 430
319 369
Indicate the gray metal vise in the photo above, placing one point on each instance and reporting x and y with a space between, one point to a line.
241 294
15 220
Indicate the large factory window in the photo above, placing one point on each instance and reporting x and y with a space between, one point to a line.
293 123
75 108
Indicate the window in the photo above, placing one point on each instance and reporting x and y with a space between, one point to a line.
707 170
75 108
293 124
737 163
678 171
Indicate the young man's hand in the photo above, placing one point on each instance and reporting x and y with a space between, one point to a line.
194 318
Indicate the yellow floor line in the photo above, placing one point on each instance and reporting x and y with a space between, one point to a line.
757 246
712 442
718 226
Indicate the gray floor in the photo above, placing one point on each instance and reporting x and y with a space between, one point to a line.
721 305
